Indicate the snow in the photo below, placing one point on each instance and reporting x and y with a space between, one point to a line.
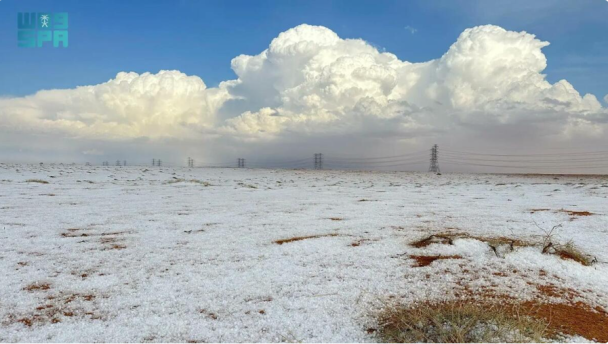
131 257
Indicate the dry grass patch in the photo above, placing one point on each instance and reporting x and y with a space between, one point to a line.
39 181
567 252
422 261
444 239
285 241
56 309
182 180
532 211
569 212
458 322
448 239
571 252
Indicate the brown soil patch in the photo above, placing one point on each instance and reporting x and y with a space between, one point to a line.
576 213
116 247
359 242
336 218
210 315
58 307
532 211
285 241
444 239
569 212
427 260
73 235
37 286
108 240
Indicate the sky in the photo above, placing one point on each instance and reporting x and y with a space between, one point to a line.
348 77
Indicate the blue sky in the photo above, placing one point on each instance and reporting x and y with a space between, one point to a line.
201 37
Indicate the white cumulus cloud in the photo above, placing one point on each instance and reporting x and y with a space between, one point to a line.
309 81
131 105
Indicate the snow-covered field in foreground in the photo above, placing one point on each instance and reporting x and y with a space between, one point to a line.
120 254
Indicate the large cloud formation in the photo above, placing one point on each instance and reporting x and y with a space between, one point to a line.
311 82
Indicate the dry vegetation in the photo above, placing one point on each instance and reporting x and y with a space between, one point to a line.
181 180
459 322
571 252
39 181
422 261
285 241
502 245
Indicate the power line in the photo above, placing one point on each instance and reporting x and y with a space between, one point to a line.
530 155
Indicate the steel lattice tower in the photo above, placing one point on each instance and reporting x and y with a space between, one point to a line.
318 161
434 160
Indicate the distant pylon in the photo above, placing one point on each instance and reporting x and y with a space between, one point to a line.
190 162
318 161
240 162
434 160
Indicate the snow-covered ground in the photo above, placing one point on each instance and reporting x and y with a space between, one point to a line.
124 254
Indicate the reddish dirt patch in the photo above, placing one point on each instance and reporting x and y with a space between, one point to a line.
427 260
285 241
336 218
578 319
551 290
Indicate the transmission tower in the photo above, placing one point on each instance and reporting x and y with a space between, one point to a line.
117 162
240 162
153 162
434 160
318 161
190 162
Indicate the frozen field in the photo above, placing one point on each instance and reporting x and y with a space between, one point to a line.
135 254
